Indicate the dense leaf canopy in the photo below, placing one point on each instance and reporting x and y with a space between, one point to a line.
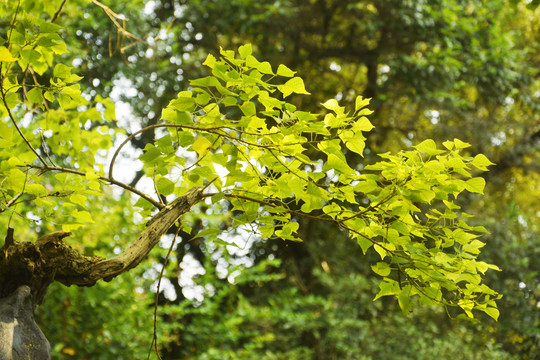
274 160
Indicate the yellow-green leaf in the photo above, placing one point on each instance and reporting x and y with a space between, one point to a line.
294 85
475 185
493 312
201 145
481 162
78 199
381 268
5 55
285 71
361 102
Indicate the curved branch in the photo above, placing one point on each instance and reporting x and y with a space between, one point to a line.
38 264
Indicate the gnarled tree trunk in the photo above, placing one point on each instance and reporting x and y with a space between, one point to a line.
28 268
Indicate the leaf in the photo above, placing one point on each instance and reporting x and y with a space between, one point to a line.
388 287
201 145
364 243
164 186
205 82
151 154
16 180
429 147
460 144
245 51
285 71
35 96
362 124
361 102
62 71
404 301
448 144
78 199
493 312
381 251
5 55
381 268
210 61
481 162
357 145
248 108
333 105
83 216
475 185
183 103
71 227
264 67
294 85
335 163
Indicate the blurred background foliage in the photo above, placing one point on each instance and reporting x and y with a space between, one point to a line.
434 69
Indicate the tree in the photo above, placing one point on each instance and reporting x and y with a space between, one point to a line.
234 144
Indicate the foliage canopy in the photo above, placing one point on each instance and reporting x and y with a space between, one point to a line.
250 153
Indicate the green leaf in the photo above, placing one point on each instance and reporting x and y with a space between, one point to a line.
205 82
481 162
264 67
356 143
15 180
210 61
78 199
404 300
460 144
388 287
381 268
151 154
475 185
248 108
361 102
62 71
285 71
294 85
164 186
362 124
83 216
429 147
35 96
335 163
448 144
493 312
201 145
333 105
71 227
183 103
5 55
245 51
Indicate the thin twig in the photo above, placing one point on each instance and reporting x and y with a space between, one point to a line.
12 118
155 338
127 187
57 14
150 127
12 201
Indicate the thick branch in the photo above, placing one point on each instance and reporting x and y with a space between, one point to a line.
38 264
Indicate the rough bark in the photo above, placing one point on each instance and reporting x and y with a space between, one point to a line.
20 337
37 264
